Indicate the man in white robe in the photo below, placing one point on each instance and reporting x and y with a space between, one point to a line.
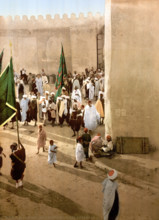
52 153
24 107
91 91
44 105
91 117
44 81
75 84
39 84
111 199
79 152
76 95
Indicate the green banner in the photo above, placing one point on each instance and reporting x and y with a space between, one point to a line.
1 57
7 95
62 73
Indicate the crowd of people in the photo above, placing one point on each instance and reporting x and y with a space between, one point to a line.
40 104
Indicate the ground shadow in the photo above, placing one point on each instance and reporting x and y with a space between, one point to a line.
48 197
81 173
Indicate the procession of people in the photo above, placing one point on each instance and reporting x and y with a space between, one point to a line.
82 93
80 106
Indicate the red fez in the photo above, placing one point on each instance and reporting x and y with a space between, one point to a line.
85 130
108 137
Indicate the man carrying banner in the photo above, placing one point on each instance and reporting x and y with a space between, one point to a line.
18 163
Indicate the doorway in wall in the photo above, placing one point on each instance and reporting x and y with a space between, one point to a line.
100 48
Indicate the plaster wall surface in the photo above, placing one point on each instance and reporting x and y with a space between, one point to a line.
134 81
36 42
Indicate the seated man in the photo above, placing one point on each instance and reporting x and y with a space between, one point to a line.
99 146
108 146
96 143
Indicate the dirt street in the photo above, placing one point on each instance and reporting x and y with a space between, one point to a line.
63 192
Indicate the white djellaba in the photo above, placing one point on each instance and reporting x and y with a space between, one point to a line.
24 107
91 117
79 152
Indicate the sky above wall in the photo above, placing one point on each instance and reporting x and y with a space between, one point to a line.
52 7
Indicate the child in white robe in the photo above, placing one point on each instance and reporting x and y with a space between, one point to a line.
52 153
79 153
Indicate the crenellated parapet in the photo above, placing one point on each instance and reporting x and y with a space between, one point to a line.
48 21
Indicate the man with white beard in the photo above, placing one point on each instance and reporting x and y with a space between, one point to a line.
91 117
24 106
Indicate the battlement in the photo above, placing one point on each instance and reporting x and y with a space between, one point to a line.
48 21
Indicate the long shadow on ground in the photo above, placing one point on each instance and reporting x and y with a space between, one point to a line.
48 197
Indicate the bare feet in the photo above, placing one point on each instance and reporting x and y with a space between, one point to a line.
54 164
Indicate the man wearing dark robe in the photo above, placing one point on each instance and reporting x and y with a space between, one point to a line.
18 163
75 120
32 110
86 140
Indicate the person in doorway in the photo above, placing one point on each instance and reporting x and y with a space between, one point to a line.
52 153
111 198
18 157
86 140
79 153
41 142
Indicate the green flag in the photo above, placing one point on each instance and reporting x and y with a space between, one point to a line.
1 57
62 73
7 95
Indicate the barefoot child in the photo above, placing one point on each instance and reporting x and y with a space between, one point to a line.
1 159
52 153
79 153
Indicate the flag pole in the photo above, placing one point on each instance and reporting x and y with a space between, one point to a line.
10 44
17 128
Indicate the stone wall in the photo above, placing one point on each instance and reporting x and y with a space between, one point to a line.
36 43
134 81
